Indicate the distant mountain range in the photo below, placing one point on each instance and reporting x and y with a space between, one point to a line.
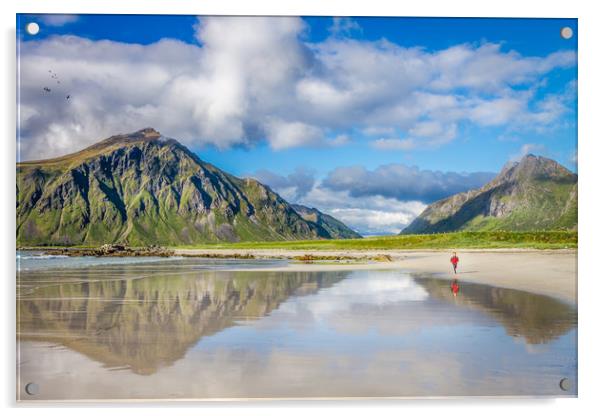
142 189
535 193
331 226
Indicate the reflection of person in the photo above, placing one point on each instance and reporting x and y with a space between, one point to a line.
454 261
455 287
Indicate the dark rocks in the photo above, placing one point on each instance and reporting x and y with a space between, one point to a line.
113 250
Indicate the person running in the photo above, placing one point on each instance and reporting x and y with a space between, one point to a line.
454 261
455 287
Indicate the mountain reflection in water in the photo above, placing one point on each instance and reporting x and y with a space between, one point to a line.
176 330
537 319
147 322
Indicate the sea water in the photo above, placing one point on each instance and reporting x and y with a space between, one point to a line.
165 328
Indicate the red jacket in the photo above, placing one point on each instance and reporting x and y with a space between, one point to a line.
455 260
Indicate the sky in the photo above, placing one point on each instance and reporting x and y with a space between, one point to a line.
366 119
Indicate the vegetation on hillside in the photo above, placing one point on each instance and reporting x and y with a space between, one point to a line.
142 189
534 194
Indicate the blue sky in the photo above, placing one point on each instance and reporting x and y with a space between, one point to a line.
312 106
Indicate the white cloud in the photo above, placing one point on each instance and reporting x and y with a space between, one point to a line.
282 134
378 131
427 129
379 201
368 215
342 26
497 111
372 214
404 183
394 144
58 19
487 68
423 134
340 140
374 222
254 78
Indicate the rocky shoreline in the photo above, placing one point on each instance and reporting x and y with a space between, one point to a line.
113 250
119 250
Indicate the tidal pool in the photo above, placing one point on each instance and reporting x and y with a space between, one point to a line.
191 329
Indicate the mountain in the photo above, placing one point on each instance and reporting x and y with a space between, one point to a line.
330 225
143 189
535 193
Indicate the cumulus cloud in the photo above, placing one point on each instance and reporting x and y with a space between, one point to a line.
486 68
252 79
380 201
368 215
282 134
403 183
376 222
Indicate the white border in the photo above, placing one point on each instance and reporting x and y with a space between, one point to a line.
590 70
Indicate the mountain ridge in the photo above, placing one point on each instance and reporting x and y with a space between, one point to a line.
330 224
142 188
535 193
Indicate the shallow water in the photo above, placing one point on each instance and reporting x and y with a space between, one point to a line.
192 329
36 260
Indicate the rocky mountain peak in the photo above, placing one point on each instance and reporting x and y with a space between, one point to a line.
534 167
144 135
149 132
534 193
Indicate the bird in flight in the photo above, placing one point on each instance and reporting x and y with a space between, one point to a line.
55 77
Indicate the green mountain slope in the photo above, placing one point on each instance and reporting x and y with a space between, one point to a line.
329 225
144 189
534 194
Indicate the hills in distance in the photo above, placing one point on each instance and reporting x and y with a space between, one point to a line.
329 223
143 189
535 193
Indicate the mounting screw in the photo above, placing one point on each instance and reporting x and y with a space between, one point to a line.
32 28
32 389
565 384
566 32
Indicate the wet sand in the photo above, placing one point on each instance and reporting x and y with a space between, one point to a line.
546 272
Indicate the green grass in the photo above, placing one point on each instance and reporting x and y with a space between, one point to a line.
457 240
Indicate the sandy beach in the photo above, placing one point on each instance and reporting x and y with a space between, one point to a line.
546 272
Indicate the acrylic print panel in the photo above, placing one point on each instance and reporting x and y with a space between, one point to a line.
290 207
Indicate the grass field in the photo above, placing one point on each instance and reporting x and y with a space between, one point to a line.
457 240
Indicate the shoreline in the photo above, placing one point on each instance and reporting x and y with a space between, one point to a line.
550 272
546 272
